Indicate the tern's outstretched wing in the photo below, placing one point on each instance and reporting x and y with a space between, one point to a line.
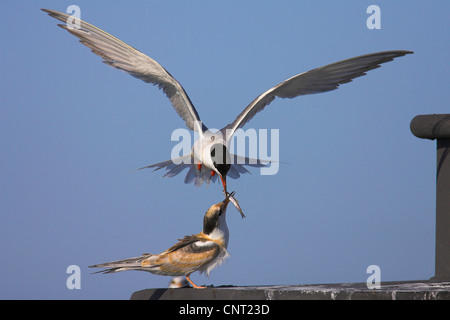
318 80
120 55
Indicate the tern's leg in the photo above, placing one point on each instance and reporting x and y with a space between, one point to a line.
193 284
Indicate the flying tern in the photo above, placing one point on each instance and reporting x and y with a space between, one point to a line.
209 156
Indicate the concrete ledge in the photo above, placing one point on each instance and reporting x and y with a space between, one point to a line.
399 290
431 126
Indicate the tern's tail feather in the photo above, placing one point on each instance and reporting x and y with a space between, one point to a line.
122 265
198 177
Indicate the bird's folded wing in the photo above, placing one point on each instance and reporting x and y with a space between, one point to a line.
318 80
189 254
193 244
120 55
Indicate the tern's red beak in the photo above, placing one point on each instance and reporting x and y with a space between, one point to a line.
224 182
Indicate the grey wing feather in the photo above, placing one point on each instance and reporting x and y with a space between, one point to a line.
120 55
233 172
176 166
257 163
176 170
318 80
173 167
237 168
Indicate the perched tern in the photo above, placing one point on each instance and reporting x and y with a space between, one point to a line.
200 252
209 156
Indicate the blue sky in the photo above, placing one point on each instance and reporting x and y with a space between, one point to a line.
356 189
